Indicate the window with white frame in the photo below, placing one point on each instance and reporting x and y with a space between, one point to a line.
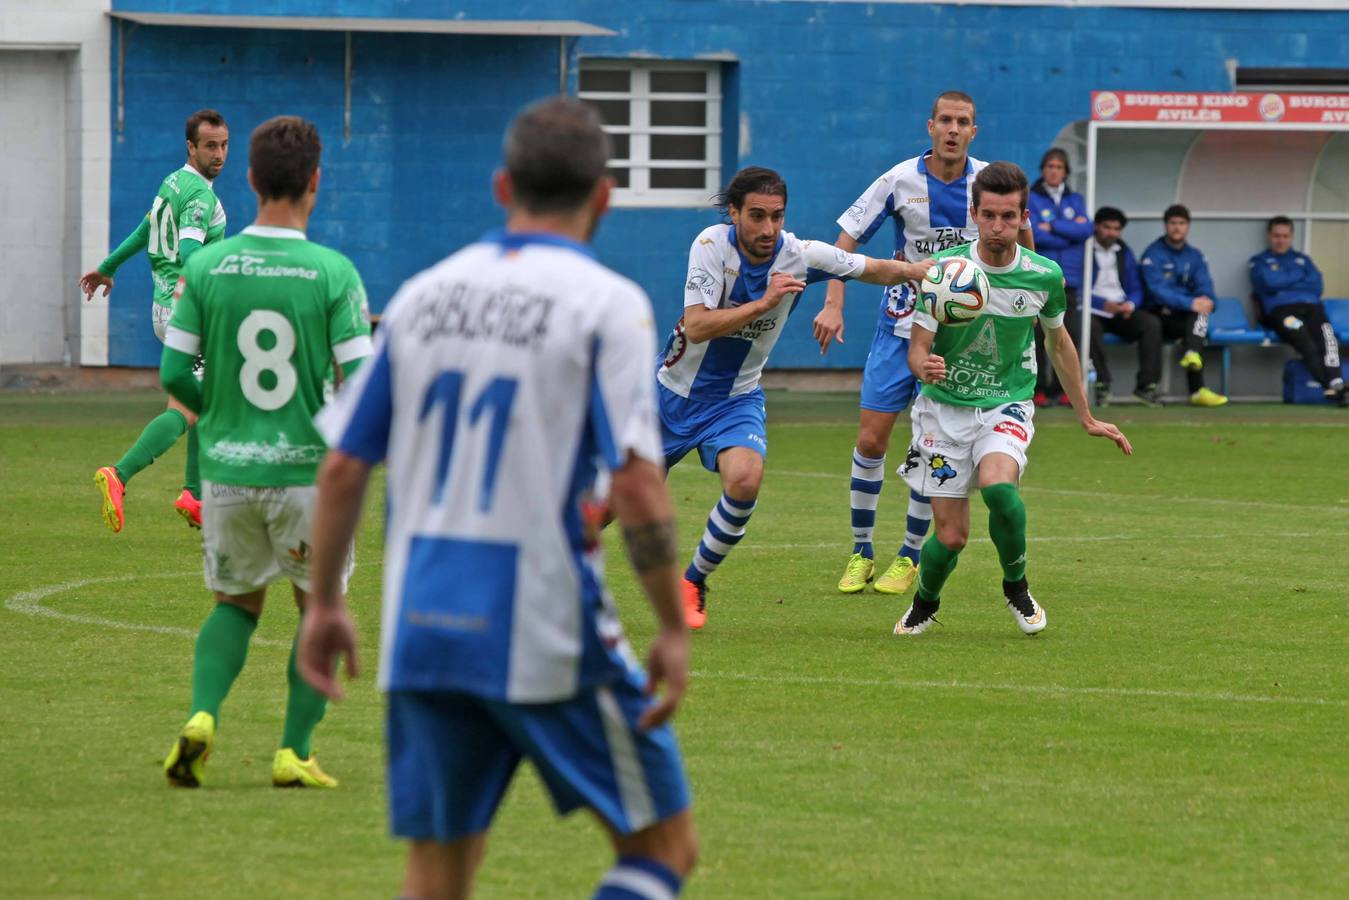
664 119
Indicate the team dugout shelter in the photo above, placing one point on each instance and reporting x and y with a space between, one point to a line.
1236 160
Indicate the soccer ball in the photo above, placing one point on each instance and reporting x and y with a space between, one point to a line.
955 291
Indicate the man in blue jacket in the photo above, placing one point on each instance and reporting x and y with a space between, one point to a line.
1117 307
1288 288
1059 217
1177 287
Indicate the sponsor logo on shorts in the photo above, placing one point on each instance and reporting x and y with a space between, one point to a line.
1014 411
1013 429
911 461
301 553
942 470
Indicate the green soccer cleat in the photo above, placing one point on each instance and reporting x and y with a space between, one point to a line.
288 770
1206 397
898 578
187 760
1192 361
857 574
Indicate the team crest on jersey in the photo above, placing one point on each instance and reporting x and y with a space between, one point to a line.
941 470
677 345
1019 302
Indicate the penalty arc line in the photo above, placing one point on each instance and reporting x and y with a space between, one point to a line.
29 603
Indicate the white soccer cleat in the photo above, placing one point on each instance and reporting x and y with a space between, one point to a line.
1029 615
918 619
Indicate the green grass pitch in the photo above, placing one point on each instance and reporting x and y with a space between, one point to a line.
1178 730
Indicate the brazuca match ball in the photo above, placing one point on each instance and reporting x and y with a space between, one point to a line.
955 291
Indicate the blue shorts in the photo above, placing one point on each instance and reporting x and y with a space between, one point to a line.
887 384
711 427
452 756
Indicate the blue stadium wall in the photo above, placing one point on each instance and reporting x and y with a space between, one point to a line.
832 94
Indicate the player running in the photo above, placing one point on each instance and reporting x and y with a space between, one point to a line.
744 280
269 312
928 198
185 215
974 421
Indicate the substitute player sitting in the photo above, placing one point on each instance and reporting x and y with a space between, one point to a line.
744 280
269 311
974 420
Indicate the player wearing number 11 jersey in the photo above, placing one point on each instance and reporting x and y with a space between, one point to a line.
269 312
184 216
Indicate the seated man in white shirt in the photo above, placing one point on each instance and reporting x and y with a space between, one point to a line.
1117 307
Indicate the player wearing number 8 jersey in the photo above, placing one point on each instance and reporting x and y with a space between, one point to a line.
269 312
184 216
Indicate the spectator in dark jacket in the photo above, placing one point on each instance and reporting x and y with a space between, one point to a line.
1117 308
1059 217
1288 288
1177 287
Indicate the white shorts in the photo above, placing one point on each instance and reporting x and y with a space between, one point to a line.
159 318
252 536
950 441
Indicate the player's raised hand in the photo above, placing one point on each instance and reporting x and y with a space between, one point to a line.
326 632
92 281
932 370
1096 428
667 664
828 326
780 285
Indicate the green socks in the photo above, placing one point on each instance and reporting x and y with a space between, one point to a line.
304 710
222 647
161 434
935 565
192 478
1007 528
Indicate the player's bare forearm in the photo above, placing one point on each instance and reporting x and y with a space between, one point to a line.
828 323
641 502
926 366
703 324
1063 356
894 271
341 486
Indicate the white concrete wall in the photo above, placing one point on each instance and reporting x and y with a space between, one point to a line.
78 33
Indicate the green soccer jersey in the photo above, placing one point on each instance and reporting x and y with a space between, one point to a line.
185 207
991 360
270 312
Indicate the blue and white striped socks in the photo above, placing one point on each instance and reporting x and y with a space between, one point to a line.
916 525
638 878
725 527
868 477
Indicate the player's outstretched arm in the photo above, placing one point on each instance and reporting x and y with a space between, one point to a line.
894 271
703 324
641 502
135 242
828 323
327 631
1063 356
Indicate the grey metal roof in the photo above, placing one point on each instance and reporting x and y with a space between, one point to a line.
517 27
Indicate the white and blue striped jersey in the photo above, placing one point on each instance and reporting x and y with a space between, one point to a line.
501 379
929 216
720 277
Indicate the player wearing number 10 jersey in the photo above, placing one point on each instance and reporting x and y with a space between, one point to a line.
185 215
269 312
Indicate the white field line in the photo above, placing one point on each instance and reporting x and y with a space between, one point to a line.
1046 689
1103 495
1073 539
29 603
